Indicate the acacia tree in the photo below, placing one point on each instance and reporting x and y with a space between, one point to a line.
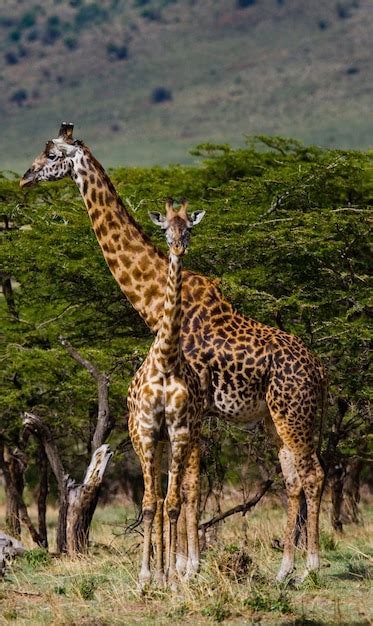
286 234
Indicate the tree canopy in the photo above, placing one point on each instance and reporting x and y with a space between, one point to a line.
286 234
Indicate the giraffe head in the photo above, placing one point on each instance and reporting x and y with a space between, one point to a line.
56 160
177 225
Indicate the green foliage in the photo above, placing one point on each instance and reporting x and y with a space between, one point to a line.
86 587
328 542
37 557
217 610
286 233
91 13
271 602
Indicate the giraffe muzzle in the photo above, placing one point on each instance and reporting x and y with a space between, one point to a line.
27 179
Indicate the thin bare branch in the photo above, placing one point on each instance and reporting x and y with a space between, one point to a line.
240 508
103 415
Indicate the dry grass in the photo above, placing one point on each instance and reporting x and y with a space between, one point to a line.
235 585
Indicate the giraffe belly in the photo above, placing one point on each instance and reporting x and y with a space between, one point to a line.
250 410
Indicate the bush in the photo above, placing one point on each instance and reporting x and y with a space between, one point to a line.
116 53
11 58
19 97
71 42
323 24
243 4
27 20
37 557
15 35
151 14
51 34
89 14
33 35
161 94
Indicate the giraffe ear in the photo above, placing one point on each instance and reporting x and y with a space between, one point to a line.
158 219
196 217
65 148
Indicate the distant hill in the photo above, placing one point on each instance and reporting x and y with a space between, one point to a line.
145 80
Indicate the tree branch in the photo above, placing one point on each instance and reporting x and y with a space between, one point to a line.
103 426
240 508
37 426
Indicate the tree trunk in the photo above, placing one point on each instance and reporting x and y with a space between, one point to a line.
13 482
336 475
77 502
351 490
82 501
42 495
7 288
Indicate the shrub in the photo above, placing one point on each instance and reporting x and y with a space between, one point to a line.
116 53
37 557
151 14
15 35
323 24
352 70
71 42
161 94
33 35
11 58
19 97
243 4
89 14
27 20
86 587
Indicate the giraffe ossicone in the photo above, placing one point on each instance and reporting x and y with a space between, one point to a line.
251 371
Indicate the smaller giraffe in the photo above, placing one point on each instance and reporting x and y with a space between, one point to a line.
165 398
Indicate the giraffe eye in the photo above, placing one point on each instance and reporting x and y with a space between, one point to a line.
52 157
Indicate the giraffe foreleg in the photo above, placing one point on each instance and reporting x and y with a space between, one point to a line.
158 520
182 540
179 439
191 486
149 503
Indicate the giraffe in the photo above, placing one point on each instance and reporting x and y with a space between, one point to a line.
166 395
252 371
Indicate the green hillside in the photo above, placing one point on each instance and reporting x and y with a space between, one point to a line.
145 80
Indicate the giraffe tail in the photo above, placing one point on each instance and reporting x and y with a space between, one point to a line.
323 408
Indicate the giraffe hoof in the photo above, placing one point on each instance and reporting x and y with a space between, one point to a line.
284 575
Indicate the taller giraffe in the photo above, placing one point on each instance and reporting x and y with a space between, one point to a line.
166 396
254 371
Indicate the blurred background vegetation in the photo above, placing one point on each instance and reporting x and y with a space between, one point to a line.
148 79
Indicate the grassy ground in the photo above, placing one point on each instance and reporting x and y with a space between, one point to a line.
235 586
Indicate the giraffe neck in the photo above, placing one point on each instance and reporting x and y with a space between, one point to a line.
138 267
167 343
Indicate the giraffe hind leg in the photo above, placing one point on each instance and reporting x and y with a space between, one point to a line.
301 470
293 491
312 476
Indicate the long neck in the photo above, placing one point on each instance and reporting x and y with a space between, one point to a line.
138 267
167 343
